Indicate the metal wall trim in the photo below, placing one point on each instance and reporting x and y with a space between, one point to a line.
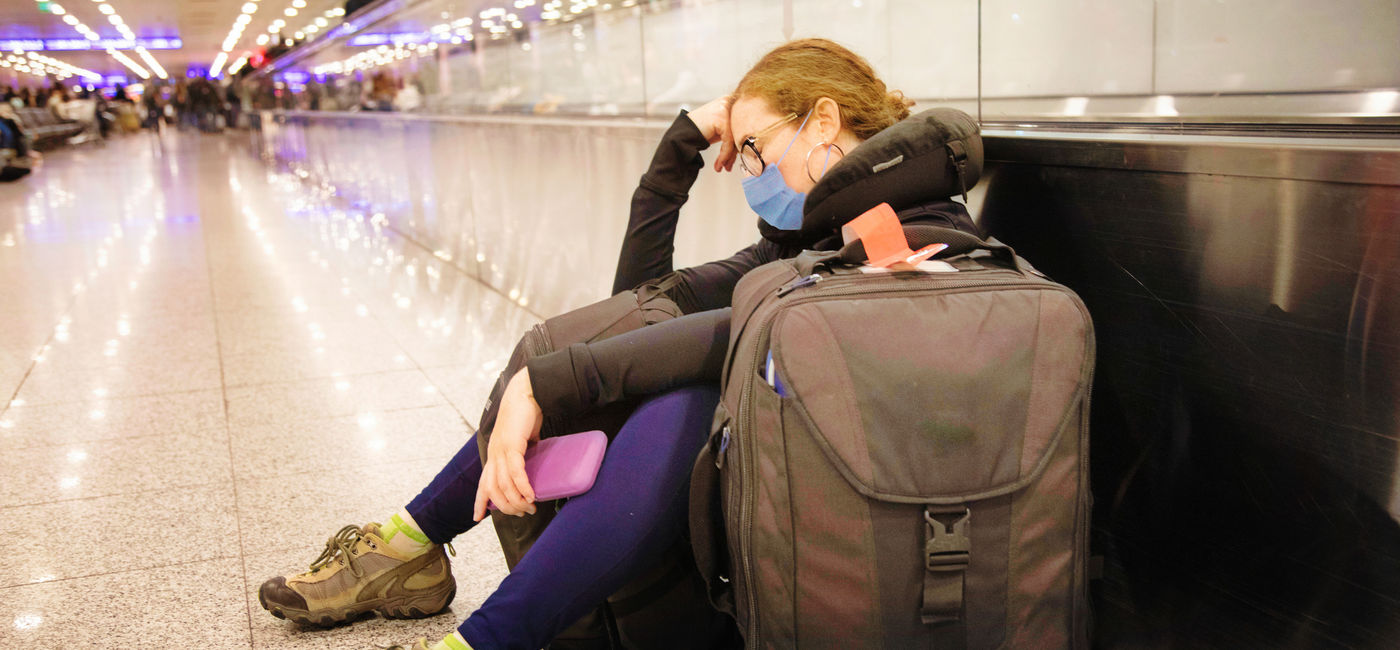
1364 162
572 121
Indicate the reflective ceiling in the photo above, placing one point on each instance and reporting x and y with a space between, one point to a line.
202 25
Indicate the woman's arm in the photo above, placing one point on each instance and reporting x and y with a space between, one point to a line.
649 245
585 375
650 360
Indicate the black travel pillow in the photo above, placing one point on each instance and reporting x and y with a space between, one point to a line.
927 156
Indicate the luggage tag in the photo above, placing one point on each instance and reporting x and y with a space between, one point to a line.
886 247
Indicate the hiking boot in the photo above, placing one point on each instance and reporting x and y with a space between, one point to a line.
359 573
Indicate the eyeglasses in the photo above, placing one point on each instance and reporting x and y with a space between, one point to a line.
749 158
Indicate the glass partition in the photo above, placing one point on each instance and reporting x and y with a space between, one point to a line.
1023 62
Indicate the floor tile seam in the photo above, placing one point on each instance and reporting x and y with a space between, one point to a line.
321 379
389 464
115 398
128 493
228 427
219 558
195 433
33 363
259 383
287 421
408 354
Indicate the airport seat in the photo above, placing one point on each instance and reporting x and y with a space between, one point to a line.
44 128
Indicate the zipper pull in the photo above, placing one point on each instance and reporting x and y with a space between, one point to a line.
798 284
723 447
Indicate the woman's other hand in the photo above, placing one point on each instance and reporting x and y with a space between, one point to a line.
713 121
503 478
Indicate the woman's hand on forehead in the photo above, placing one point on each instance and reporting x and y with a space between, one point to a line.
713 121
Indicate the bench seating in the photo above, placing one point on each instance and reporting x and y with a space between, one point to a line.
44 128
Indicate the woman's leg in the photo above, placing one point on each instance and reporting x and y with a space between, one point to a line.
599 540
443 510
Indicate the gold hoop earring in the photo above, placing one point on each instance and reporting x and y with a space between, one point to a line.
807 162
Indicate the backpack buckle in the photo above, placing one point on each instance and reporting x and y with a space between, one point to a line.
947 549
947 546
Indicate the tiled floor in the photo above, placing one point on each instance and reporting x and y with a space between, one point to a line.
206 369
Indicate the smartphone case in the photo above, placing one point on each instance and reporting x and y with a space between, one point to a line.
565 466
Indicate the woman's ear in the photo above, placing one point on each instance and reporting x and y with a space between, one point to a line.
827 115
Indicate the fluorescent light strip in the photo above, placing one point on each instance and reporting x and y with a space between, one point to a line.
42 66
217 67
126 61
235 34
66 68
151 61
116 20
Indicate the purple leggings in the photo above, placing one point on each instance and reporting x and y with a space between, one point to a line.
599 540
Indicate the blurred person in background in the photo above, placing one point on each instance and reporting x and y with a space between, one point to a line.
409 98
184 110
151 101
57 103
120 96
233 106
380 92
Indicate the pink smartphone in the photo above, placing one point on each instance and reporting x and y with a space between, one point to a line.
564 466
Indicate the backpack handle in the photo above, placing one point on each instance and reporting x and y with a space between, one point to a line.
919 236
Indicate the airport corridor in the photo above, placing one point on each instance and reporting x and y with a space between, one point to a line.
218 367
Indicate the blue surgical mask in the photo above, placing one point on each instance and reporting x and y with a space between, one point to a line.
769 195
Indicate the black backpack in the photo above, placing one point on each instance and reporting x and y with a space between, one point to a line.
665 607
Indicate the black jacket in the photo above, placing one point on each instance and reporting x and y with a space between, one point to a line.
691 348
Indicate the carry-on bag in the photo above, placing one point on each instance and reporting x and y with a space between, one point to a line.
900 457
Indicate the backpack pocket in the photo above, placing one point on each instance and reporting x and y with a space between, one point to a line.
707 537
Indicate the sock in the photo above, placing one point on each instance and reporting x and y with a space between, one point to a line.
403 534
452 641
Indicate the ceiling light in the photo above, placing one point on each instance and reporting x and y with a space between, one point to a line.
216 69
290 11
151 61
299 4
126 61
250 8
107 9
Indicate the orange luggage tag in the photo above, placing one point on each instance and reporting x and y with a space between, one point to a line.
885 243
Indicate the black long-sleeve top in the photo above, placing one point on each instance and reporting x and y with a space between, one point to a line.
691 348
649 245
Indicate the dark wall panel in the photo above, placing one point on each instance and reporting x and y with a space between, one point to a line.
1246 434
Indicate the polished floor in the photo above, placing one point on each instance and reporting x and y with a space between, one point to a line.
206 368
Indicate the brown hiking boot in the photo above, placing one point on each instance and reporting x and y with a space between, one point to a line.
359 573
